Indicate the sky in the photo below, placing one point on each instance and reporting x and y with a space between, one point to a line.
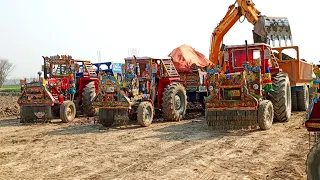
31 29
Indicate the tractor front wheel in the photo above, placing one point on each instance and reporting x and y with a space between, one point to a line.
265 115
145 113
89 92
67 111
174 102
313 163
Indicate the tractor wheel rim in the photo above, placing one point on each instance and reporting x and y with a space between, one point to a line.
147 113
177 102
69 112
268 116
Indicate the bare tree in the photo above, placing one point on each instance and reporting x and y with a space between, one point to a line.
15 81
5 68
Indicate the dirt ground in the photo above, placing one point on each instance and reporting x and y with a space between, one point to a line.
165 150
8 106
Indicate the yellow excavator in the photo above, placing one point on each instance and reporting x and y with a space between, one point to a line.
249 86
265 28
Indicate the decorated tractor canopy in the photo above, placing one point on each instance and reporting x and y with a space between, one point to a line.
145 84
68 86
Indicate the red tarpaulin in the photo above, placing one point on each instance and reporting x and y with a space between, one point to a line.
184 56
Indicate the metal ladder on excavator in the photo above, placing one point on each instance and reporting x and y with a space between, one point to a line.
169 67
89 68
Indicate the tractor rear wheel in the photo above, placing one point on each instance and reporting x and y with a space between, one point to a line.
174 102
89 92
313 163
106 117
67 111
294 101
145 113
265 115
281 97
303 98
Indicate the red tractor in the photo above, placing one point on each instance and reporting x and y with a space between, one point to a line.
68 86
146 84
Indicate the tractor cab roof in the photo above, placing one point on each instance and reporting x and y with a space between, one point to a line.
249 45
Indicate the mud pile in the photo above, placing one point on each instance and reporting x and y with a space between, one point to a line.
9 106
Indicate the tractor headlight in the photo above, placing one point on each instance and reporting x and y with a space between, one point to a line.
255 86
210 88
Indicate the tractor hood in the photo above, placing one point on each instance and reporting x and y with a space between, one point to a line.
185 56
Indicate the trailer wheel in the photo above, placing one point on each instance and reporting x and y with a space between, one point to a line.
313 163
281 97
303 98
145 113
89 92
265 115
294 101
106 117
174 102
67 111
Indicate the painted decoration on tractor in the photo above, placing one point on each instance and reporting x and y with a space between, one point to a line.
34 93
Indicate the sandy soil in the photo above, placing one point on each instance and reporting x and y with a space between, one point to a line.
165 150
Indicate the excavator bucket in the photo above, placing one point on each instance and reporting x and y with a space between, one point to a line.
271 29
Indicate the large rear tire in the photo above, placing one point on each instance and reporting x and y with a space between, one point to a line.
89 92
294 101
67 111
281 97
303 98
174 102
265 115
145 113
313 163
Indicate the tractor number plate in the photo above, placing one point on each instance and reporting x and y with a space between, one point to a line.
234 93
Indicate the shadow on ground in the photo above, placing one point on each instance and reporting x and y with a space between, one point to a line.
78 129
10 122
195 130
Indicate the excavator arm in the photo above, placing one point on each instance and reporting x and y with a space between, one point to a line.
264 28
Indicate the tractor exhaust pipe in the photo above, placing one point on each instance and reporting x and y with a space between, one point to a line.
247 51
44 68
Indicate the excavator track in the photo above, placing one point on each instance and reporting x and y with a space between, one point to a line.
232 119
